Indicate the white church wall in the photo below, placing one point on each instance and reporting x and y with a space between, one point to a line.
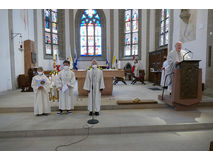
107 15
198 46
5 80
23 23
144 45
67 33
116 35
152 30
209 62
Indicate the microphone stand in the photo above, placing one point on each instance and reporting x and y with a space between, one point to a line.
93 120
185 54
188 51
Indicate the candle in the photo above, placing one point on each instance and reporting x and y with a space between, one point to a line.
119 64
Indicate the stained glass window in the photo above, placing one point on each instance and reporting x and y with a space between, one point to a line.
164 27
51 31
90 33
131 32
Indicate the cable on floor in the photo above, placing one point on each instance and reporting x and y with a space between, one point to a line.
86 126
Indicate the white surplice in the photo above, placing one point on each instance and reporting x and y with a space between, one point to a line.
66 96
41 101
136 70
163 73
94 82
172 58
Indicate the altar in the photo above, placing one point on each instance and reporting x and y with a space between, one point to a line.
108 80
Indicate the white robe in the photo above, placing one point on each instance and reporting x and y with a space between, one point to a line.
94 78
136 71
172 58
163 73
66 99
41 101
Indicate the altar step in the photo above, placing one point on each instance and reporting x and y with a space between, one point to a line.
103 107
25 124
106 130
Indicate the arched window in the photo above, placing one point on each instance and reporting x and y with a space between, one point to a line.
164 27
91 29
90 32
131 32
53 32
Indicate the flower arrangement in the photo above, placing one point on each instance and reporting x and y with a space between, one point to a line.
90 67
54 72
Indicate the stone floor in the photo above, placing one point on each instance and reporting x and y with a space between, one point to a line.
133 129
108 118
164 141
120 92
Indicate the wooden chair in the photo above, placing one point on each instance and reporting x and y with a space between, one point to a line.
117 79
140 78
23 82
128 71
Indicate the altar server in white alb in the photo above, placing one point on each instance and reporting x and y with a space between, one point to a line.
41 85
174 57
94 84
163 73
65 82
136 69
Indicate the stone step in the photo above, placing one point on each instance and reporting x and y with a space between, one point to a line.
111 121
103 107
84 108
106 130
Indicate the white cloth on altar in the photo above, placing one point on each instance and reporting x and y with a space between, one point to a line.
94 82
41 99
66 97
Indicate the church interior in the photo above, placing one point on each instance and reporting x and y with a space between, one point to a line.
137 113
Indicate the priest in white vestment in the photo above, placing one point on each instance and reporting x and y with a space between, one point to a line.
65 82
174 57
94 84
41 85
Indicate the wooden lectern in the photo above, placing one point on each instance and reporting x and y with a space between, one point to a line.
186 86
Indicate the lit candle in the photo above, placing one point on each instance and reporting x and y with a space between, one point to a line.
119 64
53 56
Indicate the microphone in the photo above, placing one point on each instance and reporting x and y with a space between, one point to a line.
188 51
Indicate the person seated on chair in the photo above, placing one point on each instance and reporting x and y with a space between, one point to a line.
136 75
